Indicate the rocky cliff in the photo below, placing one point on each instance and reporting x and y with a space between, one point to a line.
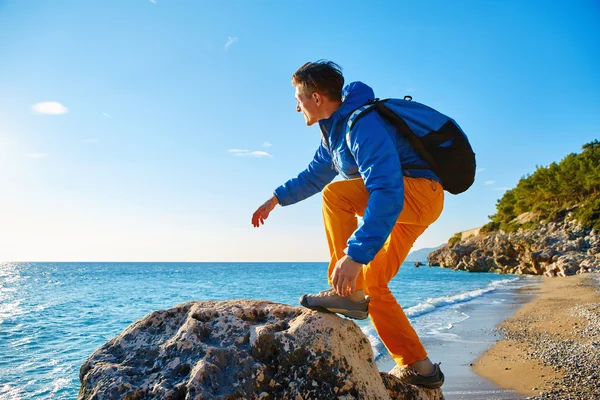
552 249
241 350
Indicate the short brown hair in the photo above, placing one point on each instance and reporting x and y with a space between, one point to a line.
320 76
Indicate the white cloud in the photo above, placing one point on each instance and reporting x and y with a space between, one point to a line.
248 153
91 140
259 154
107 116
480 170
409 90
267 144
153 1
501 188
488 182
50 108
37 155
230 40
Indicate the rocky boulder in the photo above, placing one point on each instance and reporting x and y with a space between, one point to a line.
552 249
241 350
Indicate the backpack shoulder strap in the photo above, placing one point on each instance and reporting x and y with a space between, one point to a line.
355 116
403 128
400 125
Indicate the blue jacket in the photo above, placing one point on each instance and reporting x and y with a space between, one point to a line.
376 155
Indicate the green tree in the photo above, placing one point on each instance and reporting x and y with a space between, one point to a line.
552 191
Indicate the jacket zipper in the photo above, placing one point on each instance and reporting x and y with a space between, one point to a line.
326 143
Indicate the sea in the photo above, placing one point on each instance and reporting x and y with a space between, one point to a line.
55 315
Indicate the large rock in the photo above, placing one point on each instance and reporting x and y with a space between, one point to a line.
240 350
552 249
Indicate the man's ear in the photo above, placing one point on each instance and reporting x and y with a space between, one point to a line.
318 98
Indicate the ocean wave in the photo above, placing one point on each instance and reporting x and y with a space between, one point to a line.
8 392
376 343
432 304
10 310
60 384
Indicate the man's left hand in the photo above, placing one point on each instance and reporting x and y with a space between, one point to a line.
344 276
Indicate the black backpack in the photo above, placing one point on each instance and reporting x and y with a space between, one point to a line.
438 139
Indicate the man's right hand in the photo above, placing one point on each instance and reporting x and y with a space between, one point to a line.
259 216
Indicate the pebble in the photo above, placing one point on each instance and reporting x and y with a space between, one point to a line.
576 360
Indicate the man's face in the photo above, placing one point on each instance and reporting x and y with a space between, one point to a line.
308 106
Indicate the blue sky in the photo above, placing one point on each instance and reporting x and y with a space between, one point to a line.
150 97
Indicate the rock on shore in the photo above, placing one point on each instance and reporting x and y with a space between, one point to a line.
552 249
241 350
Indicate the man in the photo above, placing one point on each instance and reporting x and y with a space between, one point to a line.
396 206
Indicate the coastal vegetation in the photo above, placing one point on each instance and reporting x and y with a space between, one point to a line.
570 187
455 239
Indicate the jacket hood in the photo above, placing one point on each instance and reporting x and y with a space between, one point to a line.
354 95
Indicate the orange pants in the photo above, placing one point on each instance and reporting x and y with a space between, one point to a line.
423 203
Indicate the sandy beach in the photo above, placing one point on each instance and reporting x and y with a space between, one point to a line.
551 346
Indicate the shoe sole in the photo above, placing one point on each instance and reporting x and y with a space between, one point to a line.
435 385
354 314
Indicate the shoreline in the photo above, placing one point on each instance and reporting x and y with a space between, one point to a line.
550 347
459 347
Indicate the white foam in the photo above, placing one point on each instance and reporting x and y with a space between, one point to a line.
432 304
376 343
59 384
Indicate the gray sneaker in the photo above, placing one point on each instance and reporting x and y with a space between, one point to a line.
433 381
329 301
